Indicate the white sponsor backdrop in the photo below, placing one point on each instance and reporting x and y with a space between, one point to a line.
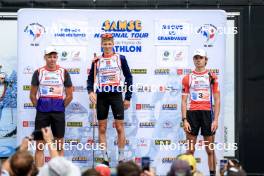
158 45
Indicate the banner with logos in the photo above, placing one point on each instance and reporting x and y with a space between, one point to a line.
158 45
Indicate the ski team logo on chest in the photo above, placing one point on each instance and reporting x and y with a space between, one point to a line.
51 78
199 87
109 71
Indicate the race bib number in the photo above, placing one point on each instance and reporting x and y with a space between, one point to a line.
51 91
200 95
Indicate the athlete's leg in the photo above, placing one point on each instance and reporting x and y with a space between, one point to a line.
191 141
206 124
117 106
58 130
102 109
209 146
102 137
193 120
119 124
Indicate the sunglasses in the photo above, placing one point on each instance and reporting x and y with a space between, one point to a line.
106 36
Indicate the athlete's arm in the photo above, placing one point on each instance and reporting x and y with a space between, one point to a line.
184 106
90 80
216 96
68 89
214 125
90 84
128 77
68 97
217 105
185 93
186 125
34 88
33 94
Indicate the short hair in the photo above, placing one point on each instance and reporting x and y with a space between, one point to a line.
21 163
128 169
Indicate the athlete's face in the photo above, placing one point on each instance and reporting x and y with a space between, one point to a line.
107 46
51 60
199 61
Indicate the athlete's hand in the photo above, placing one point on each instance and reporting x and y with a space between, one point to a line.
92 97
24 144
47 134
214 126
186 126
126 104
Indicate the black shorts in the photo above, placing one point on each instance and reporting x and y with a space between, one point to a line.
54 119
107 99
200 119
